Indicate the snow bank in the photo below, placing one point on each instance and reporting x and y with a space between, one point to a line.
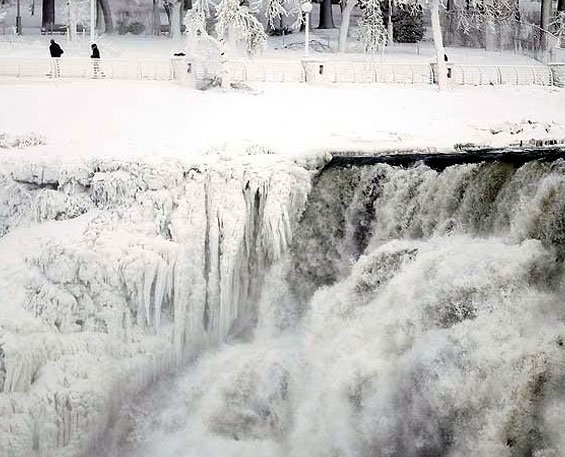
149 119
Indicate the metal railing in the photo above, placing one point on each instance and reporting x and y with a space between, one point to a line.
26 67
368 72
271 71
266 71
479 75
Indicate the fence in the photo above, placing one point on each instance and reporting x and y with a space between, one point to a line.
368 72
24 67
249 71
274 71
478 75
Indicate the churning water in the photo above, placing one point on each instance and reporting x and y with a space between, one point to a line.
418 313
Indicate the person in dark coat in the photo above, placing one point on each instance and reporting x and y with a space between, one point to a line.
95 51
55 50
96 65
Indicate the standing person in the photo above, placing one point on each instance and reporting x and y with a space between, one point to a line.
96 55
95 51
54 49
56 52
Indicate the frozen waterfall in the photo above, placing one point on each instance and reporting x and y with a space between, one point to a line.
133 268
254 308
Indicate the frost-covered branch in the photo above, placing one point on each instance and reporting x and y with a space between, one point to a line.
371 28
277 10
237 22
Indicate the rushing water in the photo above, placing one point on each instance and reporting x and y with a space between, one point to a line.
419 313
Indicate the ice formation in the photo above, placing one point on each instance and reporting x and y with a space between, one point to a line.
370 311
117 272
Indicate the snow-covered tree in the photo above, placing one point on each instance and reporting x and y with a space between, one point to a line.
371 30
195 19
481 12
277 10
233 22
236 22
371 25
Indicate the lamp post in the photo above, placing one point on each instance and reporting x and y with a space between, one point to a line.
307 9
92 21
18 19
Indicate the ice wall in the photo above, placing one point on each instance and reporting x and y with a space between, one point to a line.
116 272
432 324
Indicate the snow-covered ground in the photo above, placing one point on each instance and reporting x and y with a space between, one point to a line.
132 119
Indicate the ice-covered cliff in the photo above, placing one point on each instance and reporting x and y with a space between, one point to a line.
115 272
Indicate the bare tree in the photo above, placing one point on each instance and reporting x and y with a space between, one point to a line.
155 18
107 15
345 20
546 13
326 15
48 13
174 9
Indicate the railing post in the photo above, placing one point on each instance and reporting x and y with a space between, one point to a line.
245 77
534 74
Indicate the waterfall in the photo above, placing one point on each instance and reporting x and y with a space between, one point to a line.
430 323
366 310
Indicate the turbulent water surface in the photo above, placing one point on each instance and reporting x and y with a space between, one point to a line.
417 313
